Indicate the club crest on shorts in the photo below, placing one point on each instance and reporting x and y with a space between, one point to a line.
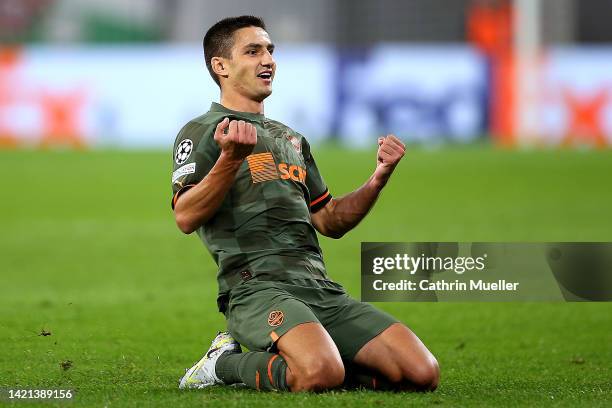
276 318
183 151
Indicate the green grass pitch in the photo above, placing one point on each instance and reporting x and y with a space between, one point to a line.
89 252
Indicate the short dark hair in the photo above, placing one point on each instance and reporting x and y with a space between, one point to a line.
219 38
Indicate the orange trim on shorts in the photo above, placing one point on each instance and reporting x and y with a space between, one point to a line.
318 200
373 383
274 357
257 380
274 336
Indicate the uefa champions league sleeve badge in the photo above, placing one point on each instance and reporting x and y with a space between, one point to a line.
183 151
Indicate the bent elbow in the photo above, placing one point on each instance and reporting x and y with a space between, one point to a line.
330 230
331 233
336 234
184 224
185 228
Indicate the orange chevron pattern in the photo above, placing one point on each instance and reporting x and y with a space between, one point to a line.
262 167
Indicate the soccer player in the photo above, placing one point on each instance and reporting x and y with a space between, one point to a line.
251 189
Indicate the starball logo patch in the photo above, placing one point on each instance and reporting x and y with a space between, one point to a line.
183 151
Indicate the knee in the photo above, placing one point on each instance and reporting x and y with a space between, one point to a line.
423 377
321 374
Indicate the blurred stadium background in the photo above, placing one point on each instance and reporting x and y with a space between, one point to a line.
524 72
101 293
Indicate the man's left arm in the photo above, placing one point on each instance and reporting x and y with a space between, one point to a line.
340 215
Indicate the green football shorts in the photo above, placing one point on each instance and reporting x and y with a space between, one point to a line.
259 312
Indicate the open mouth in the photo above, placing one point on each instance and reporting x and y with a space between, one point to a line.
265 75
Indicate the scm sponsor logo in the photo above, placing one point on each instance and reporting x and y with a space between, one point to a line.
292 171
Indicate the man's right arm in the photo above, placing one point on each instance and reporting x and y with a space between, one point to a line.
198 204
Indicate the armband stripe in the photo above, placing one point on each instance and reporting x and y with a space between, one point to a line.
321 198
320 202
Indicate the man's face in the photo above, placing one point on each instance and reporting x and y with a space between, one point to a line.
251 68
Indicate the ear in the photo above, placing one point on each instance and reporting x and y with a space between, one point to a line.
219 66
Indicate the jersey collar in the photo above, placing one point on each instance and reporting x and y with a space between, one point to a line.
256 117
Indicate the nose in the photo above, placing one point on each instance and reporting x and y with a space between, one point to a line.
267 60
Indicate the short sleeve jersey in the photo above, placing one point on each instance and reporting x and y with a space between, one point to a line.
263 227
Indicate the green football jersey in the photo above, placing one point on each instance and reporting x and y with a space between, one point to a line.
263 227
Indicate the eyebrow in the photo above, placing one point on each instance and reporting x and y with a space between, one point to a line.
258 46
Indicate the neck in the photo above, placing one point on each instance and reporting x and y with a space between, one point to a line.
241 103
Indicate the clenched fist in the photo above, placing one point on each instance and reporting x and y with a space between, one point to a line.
239 141
390 152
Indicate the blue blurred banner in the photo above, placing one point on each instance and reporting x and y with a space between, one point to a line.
140 96
421 93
